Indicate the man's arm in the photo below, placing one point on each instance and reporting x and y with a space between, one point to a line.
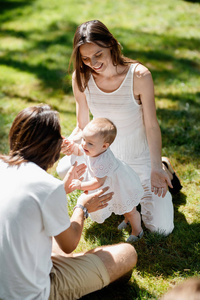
69 239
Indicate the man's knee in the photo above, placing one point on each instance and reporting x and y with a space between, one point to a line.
129 253
119 258
124 251
125 259
125 255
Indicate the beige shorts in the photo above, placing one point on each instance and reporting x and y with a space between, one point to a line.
74 277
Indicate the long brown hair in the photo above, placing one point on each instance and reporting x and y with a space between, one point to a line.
94 32
35 136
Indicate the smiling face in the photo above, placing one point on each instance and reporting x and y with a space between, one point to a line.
93 143
95 57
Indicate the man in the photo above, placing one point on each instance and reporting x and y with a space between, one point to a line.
33 209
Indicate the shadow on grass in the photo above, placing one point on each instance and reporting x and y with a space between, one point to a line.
5 119
60 34
51 68
157 255
193 1
124 291
178 252
179 129
7 5
184 98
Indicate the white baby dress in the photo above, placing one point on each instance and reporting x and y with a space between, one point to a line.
121 179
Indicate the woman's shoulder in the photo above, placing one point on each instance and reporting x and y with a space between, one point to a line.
142 79
142 76
141 71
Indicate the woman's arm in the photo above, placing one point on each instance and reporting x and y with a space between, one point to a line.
82 111
82 117
144 87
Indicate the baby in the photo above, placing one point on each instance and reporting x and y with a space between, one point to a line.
106 170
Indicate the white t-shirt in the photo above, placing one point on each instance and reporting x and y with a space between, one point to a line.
33 208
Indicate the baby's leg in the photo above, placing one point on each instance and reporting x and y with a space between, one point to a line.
134 219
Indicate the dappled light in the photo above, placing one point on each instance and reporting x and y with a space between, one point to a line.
36 40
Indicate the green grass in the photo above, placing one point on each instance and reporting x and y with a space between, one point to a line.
35 48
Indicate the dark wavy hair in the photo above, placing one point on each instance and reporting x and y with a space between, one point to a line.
94 32
35 136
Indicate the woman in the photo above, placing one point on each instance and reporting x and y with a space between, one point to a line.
109 85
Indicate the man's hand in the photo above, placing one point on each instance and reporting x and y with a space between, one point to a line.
75 172
95 201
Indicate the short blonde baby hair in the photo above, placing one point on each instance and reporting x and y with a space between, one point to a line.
104 127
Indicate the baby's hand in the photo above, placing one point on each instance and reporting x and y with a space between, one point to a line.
67 146
75 184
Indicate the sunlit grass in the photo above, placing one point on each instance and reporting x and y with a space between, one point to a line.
35 48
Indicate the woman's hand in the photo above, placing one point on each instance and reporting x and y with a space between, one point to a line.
96 200
160 182
75 172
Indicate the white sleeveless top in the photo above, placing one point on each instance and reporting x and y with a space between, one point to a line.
122 109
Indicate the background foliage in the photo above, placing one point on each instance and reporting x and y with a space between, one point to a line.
35 47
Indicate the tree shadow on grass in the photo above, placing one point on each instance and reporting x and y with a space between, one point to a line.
7 5
178 252
5 119
60 34
193 1
11 10
184 98
179 129
126 291
51 68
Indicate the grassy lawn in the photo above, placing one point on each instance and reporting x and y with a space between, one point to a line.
35 48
